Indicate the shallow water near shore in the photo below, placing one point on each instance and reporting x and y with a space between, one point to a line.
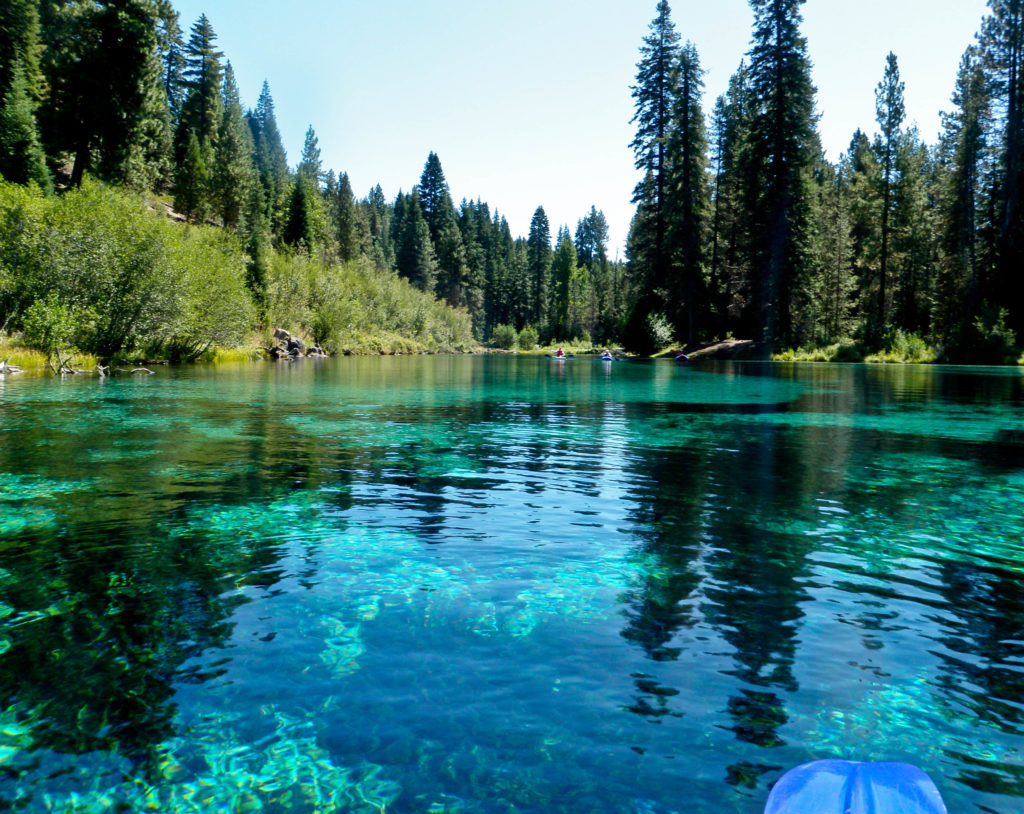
499 584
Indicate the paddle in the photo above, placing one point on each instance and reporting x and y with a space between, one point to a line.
849 787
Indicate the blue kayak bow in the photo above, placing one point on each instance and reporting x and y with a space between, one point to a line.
848 787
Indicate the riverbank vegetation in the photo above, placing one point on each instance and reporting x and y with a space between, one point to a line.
899 250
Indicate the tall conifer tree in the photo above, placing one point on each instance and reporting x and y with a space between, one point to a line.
191 181
964 149
889 112
654 96
783 146
271 159
203 75
172 58
345 215
20 49
731 261
538 247
1002 37
688 200
233 172
309 164
21 155
414 252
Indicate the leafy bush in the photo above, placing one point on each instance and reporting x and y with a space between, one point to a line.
846 350
50 326
528 337
905 348
659 330
126 277
646 332
215 309
992 341
504 336
355 307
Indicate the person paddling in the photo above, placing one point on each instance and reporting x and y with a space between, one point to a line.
682 358
559 354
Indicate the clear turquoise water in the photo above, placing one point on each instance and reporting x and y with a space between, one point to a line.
479 584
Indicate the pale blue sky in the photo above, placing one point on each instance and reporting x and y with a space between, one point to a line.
528 103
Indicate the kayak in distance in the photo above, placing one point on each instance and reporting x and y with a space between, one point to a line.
850 787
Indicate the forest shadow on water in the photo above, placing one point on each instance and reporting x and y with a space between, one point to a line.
500 584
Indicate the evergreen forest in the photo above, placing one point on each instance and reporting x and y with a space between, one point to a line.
744 229
144 210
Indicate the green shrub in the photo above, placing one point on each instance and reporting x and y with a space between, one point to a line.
50 326
991 342
659 330
905 348
215 309
848 350
528 338
504 336
355 307
127 278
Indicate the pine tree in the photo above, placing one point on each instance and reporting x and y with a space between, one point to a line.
435 198
688 200
346 220
233 172
538 266
414 252
172 58
191 182
783 147
964 148
20 50
310 165
591 239
731 256
204 76
889 112
304 228
828 302
256 233
654 98
454 282
862 173
591 242
563 267
377 242
1002 38
271 159
914 242
21 156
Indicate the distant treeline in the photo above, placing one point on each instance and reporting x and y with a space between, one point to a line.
113 90
743 227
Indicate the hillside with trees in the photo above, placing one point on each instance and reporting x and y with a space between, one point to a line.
115 93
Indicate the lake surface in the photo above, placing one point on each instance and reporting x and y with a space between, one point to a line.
493 584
